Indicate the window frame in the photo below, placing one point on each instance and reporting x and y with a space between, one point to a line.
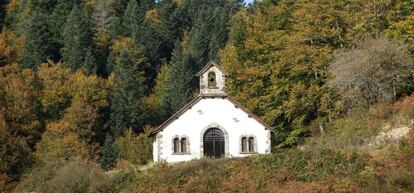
183 146
248 144
252 145
176 145
180 150
213 84
244 145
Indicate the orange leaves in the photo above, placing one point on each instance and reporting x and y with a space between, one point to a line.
11 47
59 144
153 17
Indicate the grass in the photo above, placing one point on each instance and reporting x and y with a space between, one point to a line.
336 160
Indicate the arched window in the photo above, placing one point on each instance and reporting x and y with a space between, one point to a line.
183 145
212 82
213 143
251 144
176 145
244 144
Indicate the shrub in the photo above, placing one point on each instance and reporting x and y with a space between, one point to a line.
378 70
320 170
75 176
137 149
59 144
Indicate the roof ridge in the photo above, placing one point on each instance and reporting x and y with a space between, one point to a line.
198 98
208 65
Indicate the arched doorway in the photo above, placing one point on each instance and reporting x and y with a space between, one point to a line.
213 143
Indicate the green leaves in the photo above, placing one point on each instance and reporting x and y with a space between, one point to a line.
129 86
38 43
77 38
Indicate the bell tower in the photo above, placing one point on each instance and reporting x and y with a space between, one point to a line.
212 80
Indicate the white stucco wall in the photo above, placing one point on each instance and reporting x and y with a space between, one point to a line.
207 113
220 80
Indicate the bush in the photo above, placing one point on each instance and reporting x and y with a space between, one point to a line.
321 170
136 149
75 176
378 70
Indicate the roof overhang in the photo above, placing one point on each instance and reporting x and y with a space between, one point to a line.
200 97
208 66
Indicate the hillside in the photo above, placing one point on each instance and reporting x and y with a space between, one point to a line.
83 83
342 159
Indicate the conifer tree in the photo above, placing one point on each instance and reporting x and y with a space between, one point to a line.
199 40
110 153
170 16
207 36
77 40
38 43
220 32
160 91
115 27
119 6
90 63
129 87
2 11
58 17
132 19
180 81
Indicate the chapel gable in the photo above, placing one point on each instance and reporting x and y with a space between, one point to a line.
212 80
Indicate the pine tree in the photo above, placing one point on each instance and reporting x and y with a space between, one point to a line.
119 6
2 11
160 92
109 154
199 40
57 20
220 33
180 81
170 16
208 35
132 19
90 63
38 44
129 87
77 39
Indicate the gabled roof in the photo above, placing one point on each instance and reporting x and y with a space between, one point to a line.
198 98
208 66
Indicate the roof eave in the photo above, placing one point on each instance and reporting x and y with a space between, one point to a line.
208 66
190 104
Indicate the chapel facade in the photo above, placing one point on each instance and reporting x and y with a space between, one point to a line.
212 125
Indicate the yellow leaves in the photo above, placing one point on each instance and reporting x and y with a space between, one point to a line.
153 17
137 149
76 100
403 30
56 87
13 5
60 144
101 39
17 98
11 47
90 3
124 43
178 2
90 89
186 41
127 45
89 96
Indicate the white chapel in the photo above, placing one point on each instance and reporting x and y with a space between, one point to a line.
212 125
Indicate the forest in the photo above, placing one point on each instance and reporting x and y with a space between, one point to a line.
83 82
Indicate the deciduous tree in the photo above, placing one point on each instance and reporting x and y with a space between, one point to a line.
378 70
